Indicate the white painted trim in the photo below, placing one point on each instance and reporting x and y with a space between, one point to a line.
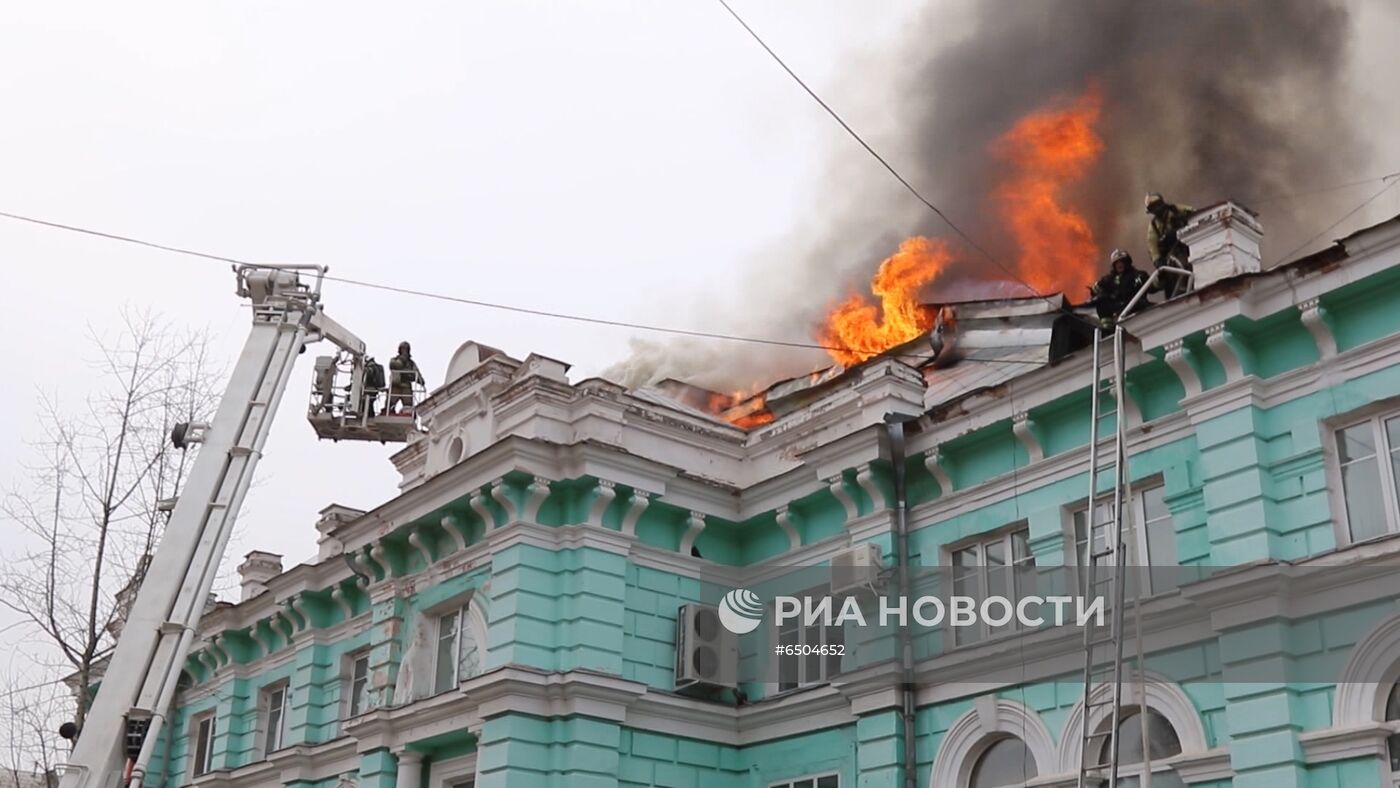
837 485
977 729
607 491
1021 428
1181 365
444 774
1372 668
1218 342
1162 696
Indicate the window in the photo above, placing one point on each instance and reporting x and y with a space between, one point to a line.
1162 743
1148 533
807 665
1369 456
202 730
995 565
1392 714
815 781
274 713
458 655
1007 762
358 689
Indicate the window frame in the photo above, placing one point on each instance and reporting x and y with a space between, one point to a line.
1139 543
789 782
352 705
464 622
1157 766
202 766
1003 535
825 673
272 738
1374 415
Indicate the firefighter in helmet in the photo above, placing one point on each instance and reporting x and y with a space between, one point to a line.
1164 245
1113 292
403 374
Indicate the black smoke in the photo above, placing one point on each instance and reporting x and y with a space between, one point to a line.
1203 100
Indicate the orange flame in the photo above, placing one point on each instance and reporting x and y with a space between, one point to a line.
1050 150
857 329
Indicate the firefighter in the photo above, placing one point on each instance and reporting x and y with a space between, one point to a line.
374 383
403 374
1113 292
1164 245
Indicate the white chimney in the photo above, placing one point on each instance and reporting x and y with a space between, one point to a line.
1224 241
257 569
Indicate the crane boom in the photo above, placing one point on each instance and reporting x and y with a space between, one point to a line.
130 710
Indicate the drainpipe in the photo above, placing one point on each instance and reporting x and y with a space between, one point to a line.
894 433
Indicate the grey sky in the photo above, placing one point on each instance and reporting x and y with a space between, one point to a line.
624 159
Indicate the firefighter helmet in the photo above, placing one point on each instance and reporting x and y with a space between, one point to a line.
1153 200
1119 254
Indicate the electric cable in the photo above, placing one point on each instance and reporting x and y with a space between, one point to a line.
1322 189
894 172
428 294
1389 185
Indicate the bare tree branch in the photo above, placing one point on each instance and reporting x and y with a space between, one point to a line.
89 509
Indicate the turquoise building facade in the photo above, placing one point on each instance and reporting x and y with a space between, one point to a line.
510 619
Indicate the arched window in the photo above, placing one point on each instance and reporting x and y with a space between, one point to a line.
1162 743
1007 762
1392 714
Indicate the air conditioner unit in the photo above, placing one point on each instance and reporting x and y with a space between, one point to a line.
856 568
707 654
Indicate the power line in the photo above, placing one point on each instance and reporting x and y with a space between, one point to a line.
1333 225
890 168
472 301
1324 189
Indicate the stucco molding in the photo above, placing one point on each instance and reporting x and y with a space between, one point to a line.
865 479
784 518
1314 317
606 493
1219 342
694 526
1021 428
1366 740
977 729
1160 694
1181 365
637 506
933 462
837 485
1374 665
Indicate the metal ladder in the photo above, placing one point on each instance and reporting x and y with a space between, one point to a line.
1104 575
1103 651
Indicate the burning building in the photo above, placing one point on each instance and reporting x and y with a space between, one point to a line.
537 605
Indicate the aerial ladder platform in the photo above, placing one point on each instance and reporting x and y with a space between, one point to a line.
132 706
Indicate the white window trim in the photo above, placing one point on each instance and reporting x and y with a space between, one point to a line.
472 619
1161 695
989 719
1377 413
264 730
198 769
1137 548
1002 534
347 672
787 782
445 774
775 632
